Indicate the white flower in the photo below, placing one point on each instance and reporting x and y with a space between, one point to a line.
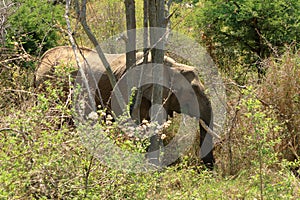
109 117
144 127
145 121
102 114
163 136
130 128
108 123
159 127
151 125
139 129
93 115
130 134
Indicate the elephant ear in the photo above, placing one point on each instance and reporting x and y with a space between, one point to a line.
190 75
187 71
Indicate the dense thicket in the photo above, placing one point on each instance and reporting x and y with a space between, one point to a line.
35 25
246 32
41 153
239 35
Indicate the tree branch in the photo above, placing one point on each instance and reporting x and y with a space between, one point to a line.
209 130
82 18
75 49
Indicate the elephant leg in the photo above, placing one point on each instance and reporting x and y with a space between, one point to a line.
206 148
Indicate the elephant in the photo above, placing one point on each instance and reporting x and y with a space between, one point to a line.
186 95
64 55
182 92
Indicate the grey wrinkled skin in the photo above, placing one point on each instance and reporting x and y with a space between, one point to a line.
186 95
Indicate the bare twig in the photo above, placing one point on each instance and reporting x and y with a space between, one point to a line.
268 43
22 91
229 136
82 18
75 49
20 57
294 151
87 172
209 130
8 129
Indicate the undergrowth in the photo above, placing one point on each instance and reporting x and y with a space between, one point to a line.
42 155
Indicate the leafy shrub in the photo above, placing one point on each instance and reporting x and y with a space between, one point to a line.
16 85
42 157
254 130
245 32
280 91
33 24
263 122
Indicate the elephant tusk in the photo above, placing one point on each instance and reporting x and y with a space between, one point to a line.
209 130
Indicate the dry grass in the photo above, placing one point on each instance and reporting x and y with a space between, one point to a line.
281 92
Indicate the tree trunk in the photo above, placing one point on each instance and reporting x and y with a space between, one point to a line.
157 20
131 33
157 23
157 33
146 32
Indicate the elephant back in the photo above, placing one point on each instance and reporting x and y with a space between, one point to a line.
61 55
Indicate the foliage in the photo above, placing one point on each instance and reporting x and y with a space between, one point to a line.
34 24
246 32
43 158
280 91
42 155
105 18
263 139
15 81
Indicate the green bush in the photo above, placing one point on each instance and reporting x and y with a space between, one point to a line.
42 157
245 32
33 24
